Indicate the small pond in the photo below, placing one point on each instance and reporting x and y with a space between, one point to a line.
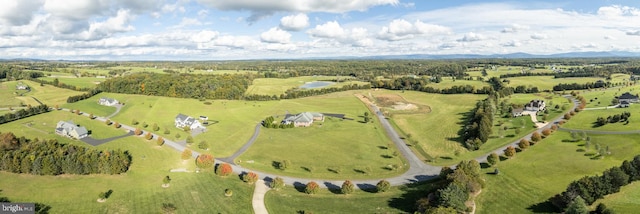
316 84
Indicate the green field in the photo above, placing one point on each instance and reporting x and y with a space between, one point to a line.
448 83
603 97
91 106
346 148
625 201
8 94
137 191
47 94
585 120
530 178
80 82
397 200
277 86
547 82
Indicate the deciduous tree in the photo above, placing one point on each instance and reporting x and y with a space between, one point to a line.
137 131
311 187
160 141
383 186
205 161
347 187
186 154
510 151
224 169
250 177
523 144
277 183
493 159
535 137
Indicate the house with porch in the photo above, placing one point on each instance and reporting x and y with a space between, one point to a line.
71 130
105 101
304 119
182 121
535 105
628 97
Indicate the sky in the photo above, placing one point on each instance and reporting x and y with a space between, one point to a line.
293 29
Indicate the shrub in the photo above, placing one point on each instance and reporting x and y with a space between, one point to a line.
524 144
91 116
155 127
189 140
186 154
137 131
117 125
347 187
554 127
166 131
535 137
493 159
178 136
223 169
205 161
168 208
383 186
148 136
277 183
228 192
250 177
546 132
160 141
311 187
108 122
102 195
166 180
145 125
567 116
510 151
134 122
203 145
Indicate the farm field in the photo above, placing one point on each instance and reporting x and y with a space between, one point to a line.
531 177
277 86
397 200
80 82
8 94
232 121
47 94
137 191
585 120
348 149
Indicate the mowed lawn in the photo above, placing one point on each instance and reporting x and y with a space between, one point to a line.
47 94
598 98
80 82
585 120
46 124
530 178
436 132
232 121
8 94
277 86
333 149
399 199
91 106
547 82
625 201
137 191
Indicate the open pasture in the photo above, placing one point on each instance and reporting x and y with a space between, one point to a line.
277 86
585 120
547 82
79 82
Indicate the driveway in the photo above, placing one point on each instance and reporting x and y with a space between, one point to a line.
96 142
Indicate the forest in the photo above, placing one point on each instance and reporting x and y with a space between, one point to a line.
49 157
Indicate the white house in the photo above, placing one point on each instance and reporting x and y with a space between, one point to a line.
71 130
624 104
535 105
184 120
304 119
105 101
21 86
628 97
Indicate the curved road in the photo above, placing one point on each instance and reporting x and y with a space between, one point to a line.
418 170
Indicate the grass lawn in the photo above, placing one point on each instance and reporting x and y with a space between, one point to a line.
47 94
436 131
91 106
81 82
333 149
530 178
547 82
625 201
137 191
277 86
585 119
8 94
397 200
603 97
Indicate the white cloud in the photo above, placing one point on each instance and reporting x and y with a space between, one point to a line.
514 28
401 29
617 10
186 22
539 36
294 22
471 37
204 36
117 24
633 33
261 8
77 9
330 29
275 35
512 43
609 37
236 42
18 12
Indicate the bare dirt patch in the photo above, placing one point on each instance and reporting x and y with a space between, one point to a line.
399 104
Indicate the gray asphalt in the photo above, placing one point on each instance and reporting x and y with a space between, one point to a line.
245 147
97 142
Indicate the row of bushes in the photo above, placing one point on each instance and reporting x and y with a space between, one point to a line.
22 113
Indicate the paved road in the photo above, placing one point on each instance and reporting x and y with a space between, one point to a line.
118 107
244 148
258 197
97 142
600 132
599 108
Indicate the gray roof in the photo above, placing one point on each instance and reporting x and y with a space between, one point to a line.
624 102
304 117
107 99
535 103
627 96
70 126
185 119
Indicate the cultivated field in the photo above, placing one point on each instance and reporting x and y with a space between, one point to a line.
137 191
530 178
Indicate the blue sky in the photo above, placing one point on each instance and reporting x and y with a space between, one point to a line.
259 29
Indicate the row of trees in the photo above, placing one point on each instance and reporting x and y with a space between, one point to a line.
23 113
481 124
225 86
622 117
592 188
89 94
14 73
48 157
577 86
57 83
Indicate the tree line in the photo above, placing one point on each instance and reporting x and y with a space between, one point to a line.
622 117
196 86
57 83
294 93
592 188
481 123
577 86
49 157
89 94
23 113
13 73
